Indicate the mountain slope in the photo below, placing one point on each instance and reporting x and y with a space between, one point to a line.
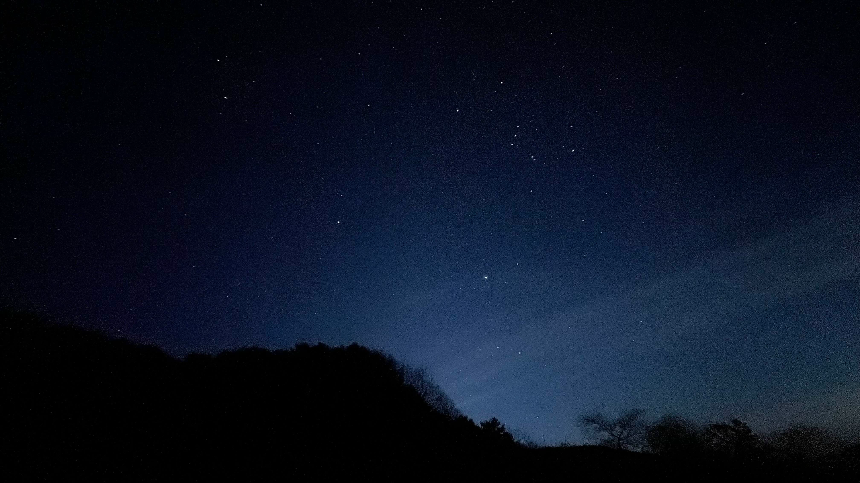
82 404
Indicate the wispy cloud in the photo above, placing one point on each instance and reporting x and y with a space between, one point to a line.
682 327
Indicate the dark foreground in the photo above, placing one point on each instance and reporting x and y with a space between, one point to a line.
78 406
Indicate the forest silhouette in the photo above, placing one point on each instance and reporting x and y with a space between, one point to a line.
81 406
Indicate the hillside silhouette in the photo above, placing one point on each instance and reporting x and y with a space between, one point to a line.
80 406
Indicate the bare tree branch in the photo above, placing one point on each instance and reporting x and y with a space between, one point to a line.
623 432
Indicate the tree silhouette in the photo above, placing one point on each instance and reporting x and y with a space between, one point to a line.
495 430
673 436
429 390
734 440
803 444
623 432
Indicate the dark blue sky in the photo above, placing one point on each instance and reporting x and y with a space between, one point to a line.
553 209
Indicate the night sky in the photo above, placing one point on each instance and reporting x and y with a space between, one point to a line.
554 209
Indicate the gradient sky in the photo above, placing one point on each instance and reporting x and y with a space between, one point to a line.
554 209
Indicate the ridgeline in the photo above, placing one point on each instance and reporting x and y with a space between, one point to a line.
80 406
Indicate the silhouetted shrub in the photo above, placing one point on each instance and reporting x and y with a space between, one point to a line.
495 431
734 440
674 436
